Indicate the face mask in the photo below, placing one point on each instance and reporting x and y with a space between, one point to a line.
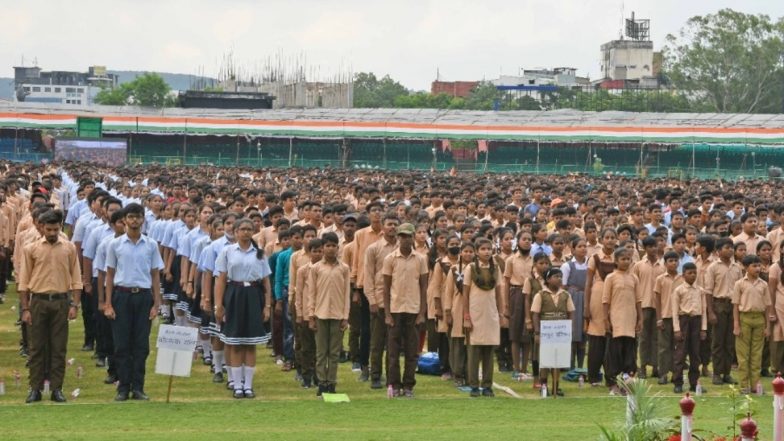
454 250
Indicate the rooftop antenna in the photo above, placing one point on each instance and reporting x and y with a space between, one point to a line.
620 31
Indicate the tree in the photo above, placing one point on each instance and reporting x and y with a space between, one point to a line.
148 90
729 62
370 92
483 97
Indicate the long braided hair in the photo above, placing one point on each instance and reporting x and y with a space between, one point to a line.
484 281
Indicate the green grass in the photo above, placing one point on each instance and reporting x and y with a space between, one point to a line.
201 410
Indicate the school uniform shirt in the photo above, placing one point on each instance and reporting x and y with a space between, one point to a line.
346 255
282 265
518 269
702 269
133 262
373 285
210 254
774 273
405 271
684 259
302 288
49 268
99 263
775 237
540 248
452 299
536 304
435 289
621 293
688 300
647 273
483 309
298 259
750 241
663 287
720 278
82 225
90 247
566 270
558 261
75 211
329 291
596 323
751 295
197 249
266 235
241 265
364 238
188 241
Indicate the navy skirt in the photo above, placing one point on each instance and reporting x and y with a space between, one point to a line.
243 324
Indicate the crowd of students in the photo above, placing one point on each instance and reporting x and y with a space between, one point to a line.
651 273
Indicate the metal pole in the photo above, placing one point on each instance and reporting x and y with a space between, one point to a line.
537 156
185 144
291 148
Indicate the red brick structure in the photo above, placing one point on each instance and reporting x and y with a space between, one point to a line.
453 88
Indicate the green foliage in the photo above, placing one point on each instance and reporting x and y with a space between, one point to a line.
643 422
148 90
729 62
371 92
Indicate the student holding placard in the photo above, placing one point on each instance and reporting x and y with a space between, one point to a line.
552 302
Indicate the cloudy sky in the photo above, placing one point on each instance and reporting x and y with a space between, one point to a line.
410 40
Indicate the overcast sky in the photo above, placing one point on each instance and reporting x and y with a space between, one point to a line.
408 39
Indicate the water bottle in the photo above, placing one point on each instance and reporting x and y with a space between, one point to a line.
581 381
759 388
390 392
46 387
2 386
79 372
698 389
544 390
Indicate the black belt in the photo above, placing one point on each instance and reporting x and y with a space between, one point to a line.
130 290
244 284
722 300
515 286
50 297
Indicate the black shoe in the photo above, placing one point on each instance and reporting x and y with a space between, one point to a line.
238 393
321 389
717 380
249 393
693 389
58 397
376 384
87 348
655 373
121 396
729 380
33 396
364 374
765 373
488 393
110 379
139 395
474 392
100 363
331 388
217 377
678 389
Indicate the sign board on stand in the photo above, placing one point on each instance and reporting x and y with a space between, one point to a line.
555 343
175 348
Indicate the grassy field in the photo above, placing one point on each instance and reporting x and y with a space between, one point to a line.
201 410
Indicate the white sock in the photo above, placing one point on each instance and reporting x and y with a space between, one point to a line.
249 371
217 362
236 373
206 346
